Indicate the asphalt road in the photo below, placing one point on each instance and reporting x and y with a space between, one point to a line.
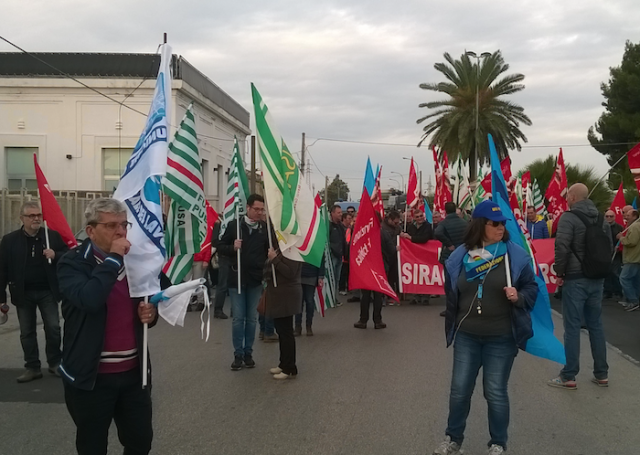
363 392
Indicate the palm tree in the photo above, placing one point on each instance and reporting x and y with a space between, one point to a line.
453 123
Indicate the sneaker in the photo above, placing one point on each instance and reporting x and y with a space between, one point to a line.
342 292
248 361
443 313
338 303
632 307
355 298
29 375
283 375
271 338
360 325
413 302
495 449
309 331
562 384
220 315
448 447
276 370
237 363
380 325
600 382
55 370
623 302
297 331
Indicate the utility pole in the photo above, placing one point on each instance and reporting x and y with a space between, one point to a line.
302 153
420 183
326 190
252 185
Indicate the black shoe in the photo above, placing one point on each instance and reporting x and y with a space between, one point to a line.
413 302
220 315
249 362
380 325
237 363
360 325
355 298
443 313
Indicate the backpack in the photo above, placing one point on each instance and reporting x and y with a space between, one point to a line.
596 263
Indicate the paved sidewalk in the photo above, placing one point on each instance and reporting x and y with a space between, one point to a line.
363 392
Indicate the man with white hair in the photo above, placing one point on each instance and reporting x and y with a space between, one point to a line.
102 351
612 282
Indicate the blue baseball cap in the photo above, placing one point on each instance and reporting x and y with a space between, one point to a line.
489 210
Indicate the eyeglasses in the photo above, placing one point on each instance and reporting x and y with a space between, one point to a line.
33 216
609 216
495 224
257 209
112 225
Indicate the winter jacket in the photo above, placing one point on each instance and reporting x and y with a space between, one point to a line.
85 286
421 234
13 260
538 230
523 280
388 238
631 244
337 240
450 232
285 299
311 273
570 239
253 254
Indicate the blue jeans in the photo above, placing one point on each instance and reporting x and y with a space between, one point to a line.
266 326
245 318
583 296
308 304
495 354
27 319
630 281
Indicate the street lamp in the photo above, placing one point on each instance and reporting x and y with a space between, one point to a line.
477 57
394 180
401 177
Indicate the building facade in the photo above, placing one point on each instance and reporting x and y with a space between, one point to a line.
84 124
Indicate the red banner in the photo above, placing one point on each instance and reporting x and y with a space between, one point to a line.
413 193
633 156
366 268
420 271
556 193
617 204
545 257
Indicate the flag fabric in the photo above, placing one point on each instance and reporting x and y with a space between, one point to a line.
462 195
538 200
139 189
633 156
51 211
291 204
617 204
376 197
237 189
438 205
557 191
525 181
480 194
325 295
186 226
634 204
366 268
315 240
369 178
413 192
543 343
427 212
446 180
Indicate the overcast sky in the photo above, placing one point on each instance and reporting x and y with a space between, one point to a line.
350 70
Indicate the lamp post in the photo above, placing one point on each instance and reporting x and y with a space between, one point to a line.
394 180
401 178
477 57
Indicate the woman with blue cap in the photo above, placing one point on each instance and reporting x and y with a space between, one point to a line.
487 320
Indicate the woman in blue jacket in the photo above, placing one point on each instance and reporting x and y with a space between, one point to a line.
487 320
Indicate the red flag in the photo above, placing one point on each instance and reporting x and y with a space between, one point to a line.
366 268
526 181
617 204
517 214
205 249
557 191
446 194
376 197
633 156
438 206
509 180
51 212
413 192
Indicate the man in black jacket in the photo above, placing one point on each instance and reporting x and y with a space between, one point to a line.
28 266
253 245
337 244
612 282
418 232
102 353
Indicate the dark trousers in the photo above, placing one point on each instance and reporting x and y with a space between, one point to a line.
27 318
118 397
308 304
287 342
612 282
365 301
222 288
344 277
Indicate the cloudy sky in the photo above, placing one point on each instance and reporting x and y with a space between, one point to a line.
349 71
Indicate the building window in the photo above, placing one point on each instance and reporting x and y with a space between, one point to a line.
20 170
113 163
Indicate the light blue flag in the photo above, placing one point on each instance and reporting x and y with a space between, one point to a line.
427 212
139 189
634 204
543 343
369 178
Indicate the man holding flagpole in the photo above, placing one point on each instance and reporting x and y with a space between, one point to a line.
245 277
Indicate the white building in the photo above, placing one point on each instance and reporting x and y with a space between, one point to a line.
82 139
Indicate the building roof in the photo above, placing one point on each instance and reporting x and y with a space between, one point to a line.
18 64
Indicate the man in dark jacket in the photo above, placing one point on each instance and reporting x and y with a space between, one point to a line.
337 243
253 244
450 232
222 286
581 296
103 330
537 228
28 266
612 282
418 232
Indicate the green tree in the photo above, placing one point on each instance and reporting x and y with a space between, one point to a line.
336 191
543 170
618 128
452 125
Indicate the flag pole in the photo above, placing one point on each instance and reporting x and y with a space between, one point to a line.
145 354
273 269
606 173
238 250
46 238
